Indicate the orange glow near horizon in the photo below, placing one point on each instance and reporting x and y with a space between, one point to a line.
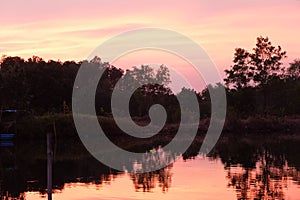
71 30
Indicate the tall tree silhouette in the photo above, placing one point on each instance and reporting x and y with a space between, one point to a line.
259 67
266 61
239 75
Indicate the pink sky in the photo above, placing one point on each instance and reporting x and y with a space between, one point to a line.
70 30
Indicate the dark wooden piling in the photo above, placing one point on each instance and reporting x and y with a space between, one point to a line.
49 164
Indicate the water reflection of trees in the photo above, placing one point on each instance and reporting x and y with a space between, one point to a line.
23 168
256 168
266 181
260 169
157 158
147 181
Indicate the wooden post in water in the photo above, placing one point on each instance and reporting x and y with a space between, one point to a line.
49 164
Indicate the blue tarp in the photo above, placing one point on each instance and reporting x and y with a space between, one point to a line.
7 135
6 144
11 111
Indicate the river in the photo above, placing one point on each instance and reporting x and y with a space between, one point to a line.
249 167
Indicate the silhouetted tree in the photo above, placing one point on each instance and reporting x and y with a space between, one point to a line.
294 69
266 61
259 67
239 75
260 70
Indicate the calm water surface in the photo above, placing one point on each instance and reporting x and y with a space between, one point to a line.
248 168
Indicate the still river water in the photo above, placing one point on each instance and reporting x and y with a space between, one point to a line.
256 167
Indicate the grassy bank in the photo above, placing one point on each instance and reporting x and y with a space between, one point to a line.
38 126
62 124
262 124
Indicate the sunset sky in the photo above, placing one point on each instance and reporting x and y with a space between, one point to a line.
70 30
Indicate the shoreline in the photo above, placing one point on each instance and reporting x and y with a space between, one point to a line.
38 126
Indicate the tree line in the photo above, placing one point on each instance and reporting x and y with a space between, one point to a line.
256 84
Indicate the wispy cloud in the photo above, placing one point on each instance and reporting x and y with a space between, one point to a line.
100 32
71 29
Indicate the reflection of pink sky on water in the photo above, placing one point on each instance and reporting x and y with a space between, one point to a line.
192 179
